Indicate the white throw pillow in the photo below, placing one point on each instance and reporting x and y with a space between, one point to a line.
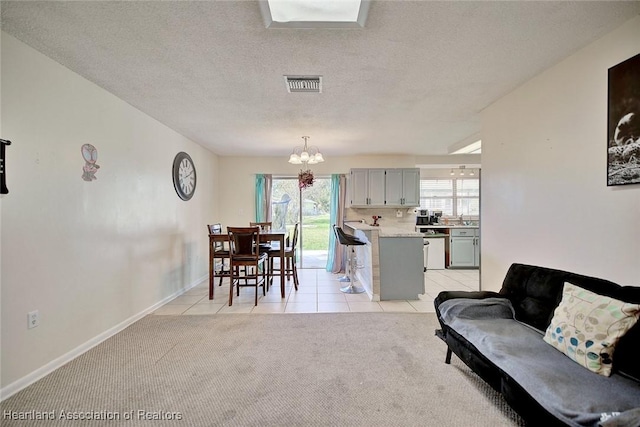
587 326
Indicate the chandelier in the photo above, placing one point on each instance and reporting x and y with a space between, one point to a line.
306 154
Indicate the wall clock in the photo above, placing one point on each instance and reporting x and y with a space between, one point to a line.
184 176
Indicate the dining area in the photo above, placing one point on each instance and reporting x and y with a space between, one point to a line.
252 256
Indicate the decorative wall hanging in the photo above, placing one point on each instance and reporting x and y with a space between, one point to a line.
623 146
90 156
184 176
3 178
305 179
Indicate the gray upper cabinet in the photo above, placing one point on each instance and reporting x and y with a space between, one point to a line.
393 191
367 187
385 187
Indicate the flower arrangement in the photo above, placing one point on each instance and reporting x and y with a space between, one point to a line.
305 179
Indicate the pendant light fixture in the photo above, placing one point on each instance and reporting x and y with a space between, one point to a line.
306 154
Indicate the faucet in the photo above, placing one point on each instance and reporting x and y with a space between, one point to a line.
461 222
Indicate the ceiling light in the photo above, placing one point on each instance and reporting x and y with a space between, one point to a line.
306 154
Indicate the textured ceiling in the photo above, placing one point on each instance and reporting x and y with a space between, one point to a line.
413 81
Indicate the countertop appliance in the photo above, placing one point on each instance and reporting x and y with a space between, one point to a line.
422 220
425 217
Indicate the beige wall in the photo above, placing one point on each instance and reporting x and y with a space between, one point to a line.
90 256
544 194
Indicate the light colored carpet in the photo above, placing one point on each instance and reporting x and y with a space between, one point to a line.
342 369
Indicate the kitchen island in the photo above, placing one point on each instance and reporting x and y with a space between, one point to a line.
392 261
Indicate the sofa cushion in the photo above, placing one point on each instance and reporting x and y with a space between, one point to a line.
535 291
586 327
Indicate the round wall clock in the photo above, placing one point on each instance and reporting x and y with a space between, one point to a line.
184 176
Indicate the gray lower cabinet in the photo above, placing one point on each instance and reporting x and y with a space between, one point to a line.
464 248
401 268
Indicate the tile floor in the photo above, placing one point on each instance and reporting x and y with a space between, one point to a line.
319 292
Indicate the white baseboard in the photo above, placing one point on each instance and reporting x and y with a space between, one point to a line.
34 376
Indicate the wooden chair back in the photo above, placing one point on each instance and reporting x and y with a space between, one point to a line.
294 241
264 226
216 229
243 242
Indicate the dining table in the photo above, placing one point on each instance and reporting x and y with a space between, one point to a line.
265 237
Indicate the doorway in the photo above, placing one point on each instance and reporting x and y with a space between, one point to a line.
310 207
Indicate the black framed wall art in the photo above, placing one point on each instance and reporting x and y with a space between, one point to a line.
623 131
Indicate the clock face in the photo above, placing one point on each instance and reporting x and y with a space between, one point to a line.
184 176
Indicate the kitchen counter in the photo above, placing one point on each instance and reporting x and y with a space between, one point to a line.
392 261
383 231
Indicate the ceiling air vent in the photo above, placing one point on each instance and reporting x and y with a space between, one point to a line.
309 84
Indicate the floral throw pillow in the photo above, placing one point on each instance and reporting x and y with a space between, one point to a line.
587 326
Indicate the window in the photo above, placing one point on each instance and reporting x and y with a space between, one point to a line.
454 197
467 197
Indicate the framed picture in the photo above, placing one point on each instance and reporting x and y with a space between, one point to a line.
623 132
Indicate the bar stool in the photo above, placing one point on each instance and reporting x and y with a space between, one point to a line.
349 242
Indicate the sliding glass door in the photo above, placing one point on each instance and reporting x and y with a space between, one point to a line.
309 207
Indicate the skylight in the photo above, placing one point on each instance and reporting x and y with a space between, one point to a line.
314 13
473 148
314 10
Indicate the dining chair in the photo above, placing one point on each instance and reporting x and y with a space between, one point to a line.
288 264
265 227
219 252
244 252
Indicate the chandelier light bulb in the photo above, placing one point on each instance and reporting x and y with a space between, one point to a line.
304 156
294 159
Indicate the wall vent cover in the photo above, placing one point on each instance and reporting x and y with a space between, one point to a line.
307 84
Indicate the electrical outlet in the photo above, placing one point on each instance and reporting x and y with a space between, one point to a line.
33 319
398 213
